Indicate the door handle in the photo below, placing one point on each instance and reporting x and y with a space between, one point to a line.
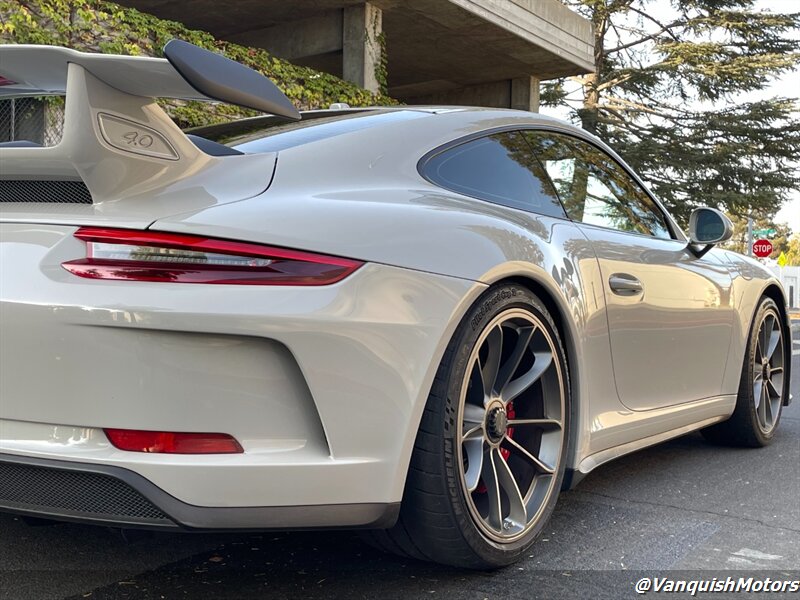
623 284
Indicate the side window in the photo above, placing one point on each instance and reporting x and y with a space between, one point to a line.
594 188
498 168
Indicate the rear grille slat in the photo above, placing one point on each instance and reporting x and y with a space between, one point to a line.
53 191
74 493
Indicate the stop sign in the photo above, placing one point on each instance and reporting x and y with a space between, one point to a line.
762 248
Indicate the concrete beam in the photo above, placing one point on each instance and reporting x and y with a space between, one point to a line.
304 38
496 94
362 26
434 45
545 24
521 93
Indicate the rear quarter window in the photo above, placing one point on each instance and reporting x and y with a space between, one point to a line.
500 169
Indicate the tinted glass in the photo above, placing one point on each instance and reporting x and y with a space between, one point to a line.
498 168
594 188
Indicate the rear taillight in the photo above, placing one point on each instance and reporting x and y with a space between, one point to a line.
167 442
168 257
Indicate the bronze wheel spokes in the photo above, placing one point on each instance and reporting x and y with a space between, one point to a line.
511 424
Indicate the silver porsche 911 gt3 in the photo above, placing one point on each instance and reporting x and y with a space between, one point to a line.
422 322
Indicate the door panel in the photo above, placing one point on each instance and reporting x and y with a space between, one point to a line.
669 340
670 315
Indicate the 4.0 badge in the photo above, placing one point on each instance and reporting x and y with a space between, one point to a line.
130 136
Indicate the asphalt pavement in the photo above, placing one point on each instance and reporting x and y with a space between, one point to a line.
682 509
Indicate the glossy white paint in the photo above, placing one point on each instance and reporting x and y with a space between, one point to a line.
303 377
665 341
325 386
40 70
128 186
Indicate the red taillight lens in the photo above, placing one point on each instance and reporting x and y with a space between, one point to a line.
169 257
166 442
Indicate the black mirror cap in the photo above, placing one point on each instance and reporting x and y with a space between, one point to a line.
709 226
226 80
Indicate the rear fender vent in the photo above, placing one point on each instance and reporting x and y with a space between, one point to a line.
55 191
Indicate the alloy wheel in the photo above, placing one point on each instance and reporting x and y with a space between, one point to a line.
768 369
511 425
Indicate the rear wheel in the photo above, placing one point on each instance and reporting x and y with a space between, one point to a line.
490 453
762 387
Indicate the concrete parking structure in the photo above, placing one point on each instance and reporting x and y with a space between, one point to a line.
466 52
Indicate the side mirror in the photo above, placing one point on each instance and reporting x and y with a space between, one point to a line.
709 226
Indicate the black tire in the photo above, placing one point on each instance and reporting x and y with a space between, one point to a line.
742 429
435 522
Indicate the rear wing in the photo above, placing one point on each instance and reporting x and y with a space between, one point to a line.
188 72
116 138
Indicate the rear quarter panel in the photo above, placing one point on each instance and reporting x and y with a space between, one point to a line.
358 196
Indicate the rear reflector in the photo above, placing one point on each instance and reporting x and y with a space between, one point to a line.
165 442
167 257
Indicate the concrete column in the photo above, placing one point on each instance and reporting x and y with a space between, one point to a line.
361 50
525 93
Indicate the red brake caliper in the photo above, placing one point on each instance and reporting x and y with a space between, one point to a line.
510 414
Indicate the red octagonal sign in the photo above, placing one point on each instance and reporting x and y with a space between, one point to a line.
762 248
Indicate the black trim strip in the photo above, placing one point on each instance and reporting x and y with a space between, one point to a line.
192 517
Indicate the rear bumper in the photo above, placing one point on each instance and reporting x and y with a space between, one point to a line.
115 496
322 386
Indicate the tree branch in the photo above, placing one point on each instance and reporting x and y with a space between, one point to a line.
651 36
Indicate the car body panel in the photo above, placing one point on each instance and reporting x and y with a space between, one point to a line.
307 395
673 330
346 368
129 186
750 281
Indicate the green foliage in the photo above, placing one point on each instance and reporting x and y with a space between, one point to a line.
552 93
375 33
793 251
382 66
669 93
99 26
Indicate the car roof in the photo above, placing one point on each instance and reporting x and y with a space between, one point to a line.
217 129
395 147
271 133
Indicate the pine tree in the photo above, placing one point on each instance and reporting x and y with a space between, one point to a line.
667 92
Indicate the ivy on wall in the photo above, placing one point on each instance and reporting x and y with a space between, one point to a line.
375 36
99 26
